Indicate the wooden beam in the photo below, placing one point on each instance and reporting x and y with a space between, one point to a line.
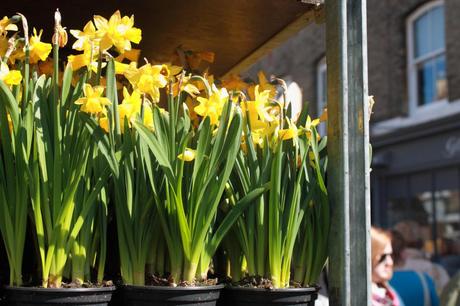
348 151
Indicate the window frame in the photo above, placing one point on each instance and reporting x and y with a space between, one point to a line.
414 107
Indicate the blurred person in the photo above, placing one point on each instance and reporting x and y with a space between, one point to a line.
382 270
450 258
413 257
414 288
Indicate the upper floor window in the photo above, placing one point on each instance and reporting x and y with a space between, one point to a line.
426 55
321 93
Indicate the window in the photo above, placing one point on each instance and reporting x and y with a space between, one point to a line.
321 93
426 56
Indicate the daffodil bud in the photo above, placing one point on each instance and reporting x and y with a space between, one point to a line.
25 26
60 34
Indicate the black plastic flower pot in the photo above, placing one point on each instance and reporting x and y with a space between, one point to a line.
242 296
27 296
157 295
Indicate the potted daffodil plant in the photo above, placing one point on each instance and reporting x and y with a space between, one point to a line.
291 219
57 173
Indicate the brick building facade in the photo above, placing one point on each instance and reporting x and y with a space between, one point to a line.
414 74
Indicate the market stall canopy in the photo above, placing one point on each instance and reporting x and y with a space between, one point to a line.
238 32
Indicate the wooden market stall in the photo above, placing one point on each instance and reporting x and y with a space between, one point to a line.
239 32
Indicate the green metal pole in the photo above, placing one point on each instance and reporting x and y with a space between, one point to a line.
348 151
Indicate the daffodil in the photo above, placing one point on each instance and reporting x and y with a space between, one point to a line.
148 79
132 55
39 50
3 45
117 31
148 117
212 107
125 111
133 99
290 133
234 82
264 84
87 59
185 85
85 38
6 25
258 109
93 102
309 124
18 54
9 77
188 155
104 123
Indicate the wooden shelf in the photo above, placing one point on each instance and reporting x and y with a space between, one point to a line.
238 31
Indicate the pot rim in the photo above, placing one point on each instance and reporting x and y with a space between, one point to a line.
302 289
52 290
178 288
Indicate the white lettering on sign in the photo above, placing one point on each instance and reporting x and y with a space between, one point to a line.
452 146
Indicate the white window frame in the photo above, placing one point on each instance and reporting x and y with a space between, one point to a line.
321 68
414 108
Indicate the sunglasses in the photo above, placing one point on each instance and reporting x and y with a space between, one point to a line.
384 257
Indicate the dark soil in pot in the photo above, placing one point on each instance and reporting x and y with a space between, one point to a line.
30 296
243 296
169 296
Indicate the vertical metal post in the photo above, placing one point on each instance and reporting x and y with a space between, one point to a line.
348 151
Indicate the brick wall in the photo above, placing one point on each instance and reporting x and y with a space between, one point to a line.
298 58
386 20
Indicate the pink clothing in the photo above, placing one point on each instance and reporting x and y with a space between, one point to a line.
384 295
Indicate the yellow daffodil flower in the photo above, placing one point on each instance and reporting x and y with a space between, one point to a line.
188 155
234 82
131 55
18 54
264 85
125 111
148 79
104 123
9 77
134 99
6 25
120 68
78 61
185 85
85 38
93 102
290 133
117 31
200 85
39 51
84 60
148 117
259 106
309 124
213 106
3 45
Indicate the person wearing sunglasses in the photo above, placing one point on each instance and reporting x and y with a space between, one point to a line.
382 269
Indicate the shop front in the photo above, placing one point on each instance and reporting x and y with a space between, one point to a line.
416 176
